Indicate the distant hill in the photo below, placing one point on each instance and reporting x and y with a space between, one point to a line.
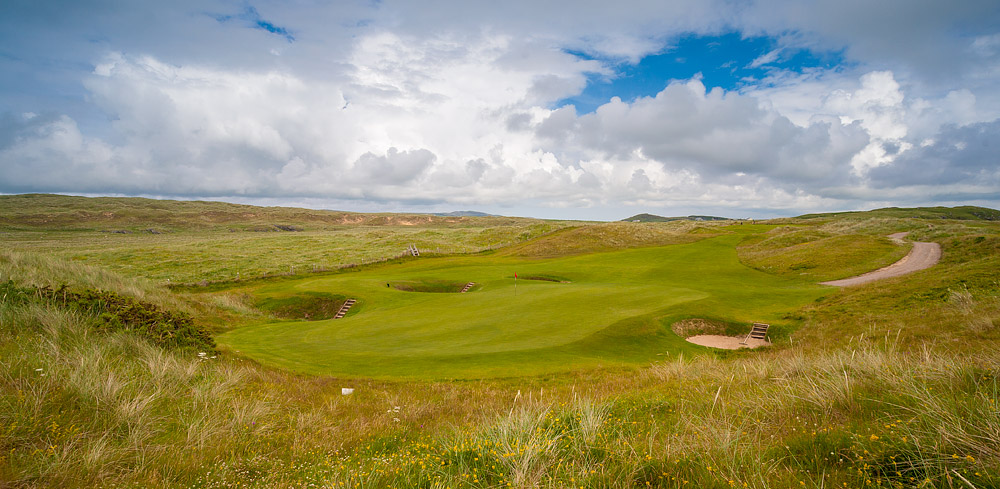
966 212
134 214
463 214
655 218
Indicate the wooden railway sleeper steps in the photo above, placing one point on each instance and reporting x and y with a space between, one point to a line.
468 286
757 332
413 250
344 308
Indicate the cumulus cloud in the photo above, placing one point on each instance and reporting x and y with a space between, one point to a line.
712 132
458 103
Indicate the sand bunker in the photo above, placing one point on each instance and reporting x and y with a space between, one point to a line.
726 342
923 255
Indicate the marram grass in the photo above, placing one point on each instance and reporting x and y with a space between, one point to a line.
80 410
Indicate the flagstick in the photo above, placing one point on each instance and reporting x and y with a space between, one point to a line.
515 285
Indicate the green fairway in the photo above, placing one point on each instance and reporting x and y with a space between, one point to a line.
607 309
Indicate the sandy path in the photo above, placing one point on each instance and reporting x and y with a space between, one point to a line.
726 342
923 255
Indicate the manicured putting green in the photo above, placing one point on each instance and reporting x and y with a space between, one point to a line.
615 309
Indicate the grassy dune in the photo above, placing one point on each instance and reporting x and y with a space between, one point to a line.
817 254
54 212
895 384
174 242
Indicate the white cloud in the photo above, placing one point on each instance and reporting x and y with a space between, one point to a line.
877 105
453 102
714 133
765 59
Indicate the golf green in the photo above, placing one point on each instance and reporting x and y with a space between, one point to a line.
606 309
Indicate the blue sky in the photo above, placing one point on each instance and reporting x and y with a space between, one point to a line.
584 110
729 61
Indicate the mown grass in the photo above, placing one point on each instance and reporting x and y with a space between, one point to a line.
615 309
889 385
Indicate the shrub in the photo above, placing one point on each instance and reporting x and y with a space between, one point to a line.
116 312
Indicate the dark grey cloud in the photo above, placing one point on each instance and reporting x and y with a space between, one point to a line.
18 128
959 155
395 167
931 39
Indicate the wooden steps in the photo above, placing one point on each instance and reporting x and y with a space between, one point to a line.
757 332
344 308
467 287
413 250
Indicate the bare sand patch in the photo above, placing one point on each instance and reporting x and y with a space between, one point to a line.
727 342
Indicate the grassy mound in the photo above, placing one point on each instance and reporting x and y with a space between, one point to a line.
967 212
818 254
612 236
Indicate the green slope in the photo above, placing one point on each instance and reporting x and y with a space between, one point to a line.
614 310
967 212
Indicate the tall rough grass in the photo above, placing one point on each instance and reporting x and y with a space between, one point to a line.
82 410
27 268
79 408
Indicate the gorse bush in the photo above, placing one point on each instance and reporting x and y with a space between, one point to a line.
116 312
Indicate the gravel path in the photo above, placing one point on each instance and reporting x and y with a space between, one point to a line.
923 255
